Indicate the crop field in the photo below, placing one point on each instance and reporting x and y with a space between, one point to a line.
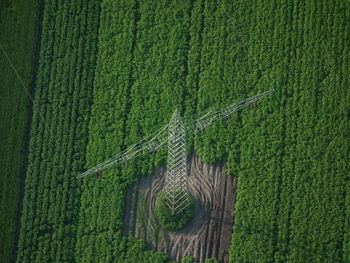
104 74
63 95
209 233
19 31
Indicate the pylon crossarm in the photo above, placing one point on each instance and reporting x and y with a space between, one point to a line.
209 118
174 136
144 146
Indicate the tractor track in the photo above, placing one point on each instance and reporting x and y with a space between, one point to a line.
208 235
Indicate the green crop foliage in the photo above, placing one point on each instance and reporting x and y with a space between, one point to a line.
63 93
19 24
111 72
173 222
187 259
293 182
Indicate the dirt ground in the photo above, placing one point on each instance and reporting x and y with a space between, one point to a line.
208 235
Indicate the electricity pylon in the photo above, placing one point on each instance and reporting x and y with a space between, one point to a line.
176 186
174 135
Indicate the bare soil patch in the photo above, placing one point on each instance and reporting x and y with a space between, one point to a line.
208 235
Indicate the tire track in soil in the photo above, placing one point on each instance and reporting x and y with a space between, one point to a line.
208 235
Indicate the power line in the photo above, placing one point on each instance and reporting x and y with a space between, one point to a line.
19 78
32 100
166 134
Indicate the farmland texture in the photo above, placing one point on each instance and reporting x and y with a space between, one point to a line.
59 131
19 30
111 72
209 233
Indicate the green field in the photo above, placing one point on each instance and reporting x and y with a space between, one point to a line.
19 30
111 72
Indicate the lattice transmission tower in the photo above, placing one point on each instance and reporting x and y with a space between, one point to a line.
174 134
176 186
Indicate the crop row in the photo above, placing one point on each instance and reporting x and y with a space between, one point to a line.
17 39
59 131
139 81
102 200
289 152
293 180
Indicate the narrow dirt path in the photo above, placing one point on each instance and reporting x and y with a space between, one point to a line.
208 235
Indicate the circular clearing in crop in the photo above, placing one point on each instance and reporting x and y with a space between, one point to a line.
173 222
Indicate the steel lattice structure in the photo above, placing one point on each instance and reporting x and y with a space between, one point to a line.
174 135
176 186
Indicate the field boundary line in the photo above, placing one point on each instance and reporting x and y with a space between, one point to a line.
31 98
